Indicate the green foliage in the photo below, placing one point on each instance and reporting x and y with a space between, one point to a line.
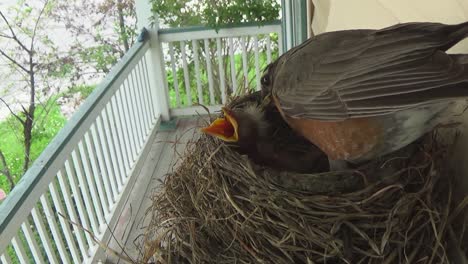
103 57
215 13
223 12
49 120
61 70
108 26
84 90
242 85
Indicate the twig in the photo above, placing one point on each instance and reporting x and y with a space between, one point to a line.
14 61
37 24
11 111
13 33
95 239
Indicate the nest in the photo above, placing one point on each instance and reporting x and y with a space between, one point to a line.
220 207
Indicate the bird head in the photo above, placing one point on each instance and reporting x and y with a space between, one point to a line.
242 126
225 128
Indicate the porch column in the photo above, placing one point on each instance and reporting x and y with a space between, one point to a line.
294 22
156 63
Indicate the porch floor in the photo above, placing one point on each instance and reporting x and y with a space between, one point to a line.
168 144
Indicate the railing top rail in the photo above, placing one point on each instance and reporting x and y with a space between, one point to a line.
203 32
34 182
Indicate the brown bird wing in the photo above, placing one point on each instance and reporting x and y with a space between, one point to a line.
360 73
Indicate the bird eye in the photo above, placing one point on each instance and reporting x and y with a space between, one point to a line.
265 81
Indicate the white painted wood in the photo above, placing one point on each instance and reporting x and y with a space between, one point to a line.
222 33
42 231
32 244
84 217
186 128
122 128
174 75
197 70
280 44
64 223
132 125
209 70
133 108
138 107
222 82
98 201
117 166
93 149
244 63
113 111
289 25
144 97
19 250
141 98
96 175
188 90
20 203
268 46
257 63
233 65
195 110
71 213
138 103
5 258
158 82
149 91
133 217
128 187
54 229
100 165
85 192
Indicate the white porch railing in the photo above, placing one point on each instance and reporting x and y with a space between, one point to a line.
81 178
206 66
84 176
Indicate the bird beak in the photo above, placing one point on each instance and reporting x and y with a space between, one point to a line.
225 128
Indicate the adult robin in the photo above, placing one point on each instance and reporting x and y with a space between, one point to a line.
360 94
258 131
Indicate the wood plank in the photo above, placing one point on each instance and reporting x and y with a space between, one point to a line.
169 159
128 218
134 241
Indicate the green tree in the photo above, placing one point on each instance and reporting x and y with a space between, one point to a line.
215 13
102 32
26 53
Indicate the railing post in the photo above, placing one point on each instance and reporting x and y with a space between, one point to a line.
156 61
158 74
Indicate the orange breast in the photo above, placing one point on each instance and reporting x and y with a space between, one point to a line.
342 140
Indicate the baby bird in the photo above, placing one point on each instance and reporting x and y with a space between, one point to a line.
260 133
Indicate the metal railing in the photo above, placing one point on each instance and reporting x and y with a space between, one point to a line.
82 177
206 66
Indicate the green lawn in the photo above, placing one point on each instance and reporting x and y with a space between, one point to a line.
48 124
11 141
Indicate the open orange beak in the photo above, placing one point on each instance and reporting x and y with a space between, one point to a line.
224 128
